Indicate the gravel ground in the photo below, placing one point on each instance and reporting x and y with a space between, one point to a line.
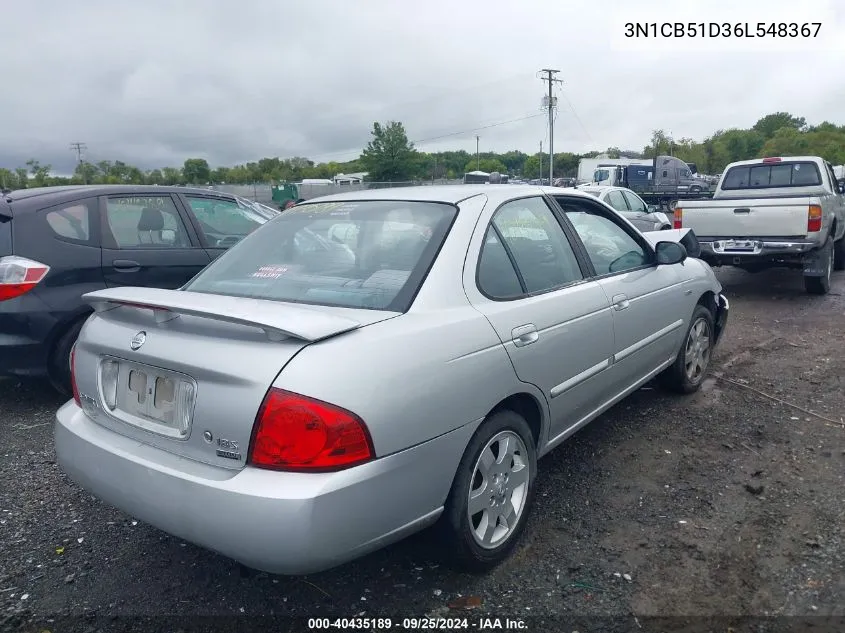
725 503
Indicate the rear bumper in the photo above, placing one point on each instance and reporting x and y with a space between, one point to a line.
761 251
22 351
285 523
723 309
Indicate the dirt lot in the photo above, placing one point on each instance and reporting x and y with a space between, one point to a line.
727 503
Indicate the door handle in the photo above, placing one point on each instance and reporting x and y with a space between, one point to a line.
742 210
524 335
620 302
126 266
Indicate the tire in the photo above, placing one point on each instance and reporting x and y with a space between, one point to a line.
699 334
839 254
457 529
821 285
59 365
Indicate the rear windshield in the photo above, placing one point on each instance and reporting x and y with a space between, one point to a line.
356 254
792 174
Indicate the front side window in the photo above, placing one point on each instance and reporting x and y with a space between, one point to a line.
635 202
610 248
145 222
355 254
615 200
224 222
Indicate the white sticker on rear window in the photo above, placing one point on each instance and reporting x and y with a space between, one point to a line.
270 272
797 167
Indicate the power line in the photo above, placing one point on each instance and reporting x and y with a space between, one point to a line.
441 136
550 78
577 118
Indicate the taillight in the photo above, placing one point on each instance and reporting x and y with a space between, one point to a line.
73 376
678 222
814 218
19 275
296 433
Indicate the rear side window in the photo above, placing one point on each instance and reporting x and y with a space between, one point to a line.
785 174
496 275
72 221
355 254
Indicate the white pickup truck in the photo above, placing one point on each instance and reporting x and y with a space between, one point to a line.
773 212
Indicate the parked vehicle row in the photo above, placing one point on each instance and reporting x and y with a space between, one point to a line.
58 243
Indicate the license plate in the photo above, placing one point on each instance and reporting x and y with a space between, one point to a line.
154 399
740 245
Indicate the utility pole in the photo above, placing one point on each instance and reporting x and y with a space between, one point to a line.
550 78
477 155
78 147
541 162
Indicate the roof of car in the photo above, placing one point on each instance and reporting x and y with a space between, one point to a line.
443 193
69 192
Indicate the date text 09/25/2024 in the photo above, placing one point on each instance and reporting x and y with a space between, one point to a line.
747 30
418 624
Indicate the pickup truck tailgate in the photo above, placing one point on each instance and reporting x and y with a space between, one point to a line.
758 217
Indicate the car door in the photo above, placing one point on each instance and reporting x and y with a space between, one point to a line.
554 323
146 242
615 199
220 221
639 216
649 302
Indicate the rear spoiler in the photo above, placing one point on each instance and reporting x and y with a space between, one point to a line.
686 237
278 320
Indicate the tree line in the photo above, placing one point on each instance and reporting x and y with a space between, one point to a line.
391 157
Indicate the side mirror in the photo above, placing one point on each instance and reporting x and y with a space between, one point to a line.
670 253
652 208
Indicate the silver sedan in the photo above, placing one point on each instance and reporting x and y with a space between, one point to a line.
369 364
630 206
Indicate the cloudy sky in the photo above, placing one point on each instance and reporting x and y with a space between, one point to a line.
154 82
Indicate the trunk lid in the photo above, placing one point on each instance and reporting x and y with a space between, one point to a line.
193 382
748 217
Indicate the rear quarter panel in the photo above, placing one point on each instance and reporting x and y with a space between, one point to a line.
75 268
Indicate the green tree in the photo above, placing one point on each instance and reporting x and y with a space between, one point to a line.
787 141
536 166
196 171
172 176
23 177
154 177
85 173
39 172
389 156
566 164
771 123
8 179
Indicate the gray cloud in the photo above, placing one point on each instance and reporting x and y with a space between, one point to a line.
153 83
